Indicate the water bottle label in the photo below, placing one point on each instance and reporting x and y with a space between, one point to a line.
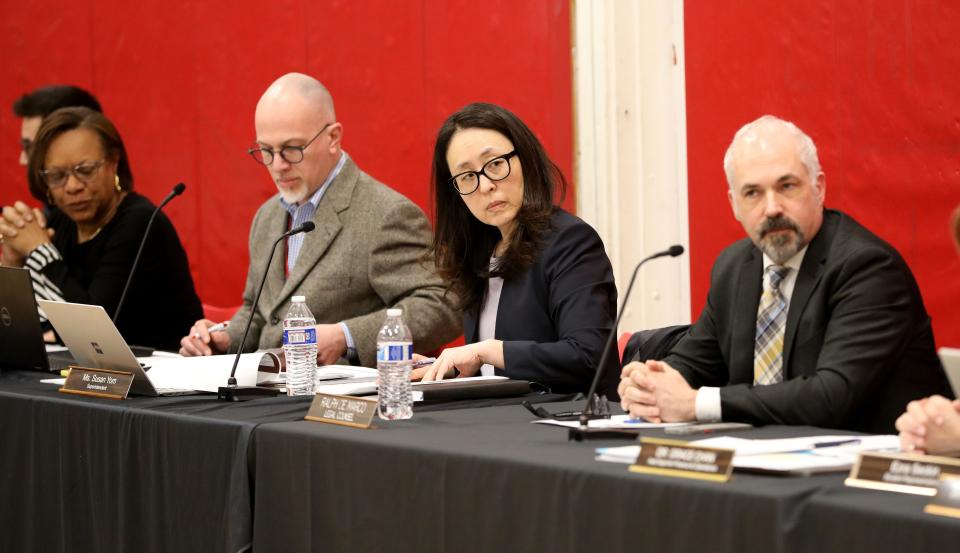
394 351
299 336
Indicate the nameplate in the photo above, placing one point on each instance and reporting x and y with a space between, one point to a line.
683 459
344 410
97 383
901 472
947 501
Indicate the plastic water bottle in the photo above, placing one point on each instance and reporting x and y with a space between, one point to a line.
394 354
300 347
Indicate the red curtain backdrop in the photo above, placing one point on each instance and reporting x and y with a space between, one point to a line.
877 86
874 83
181 79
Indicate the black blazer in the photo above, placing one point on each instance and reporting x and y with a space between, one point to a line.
858 344
554 318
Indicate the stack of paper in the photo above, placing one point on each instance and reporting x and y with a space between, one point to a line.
804 455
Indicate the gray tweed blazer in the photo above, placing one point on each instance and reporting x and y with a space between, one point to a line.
363 257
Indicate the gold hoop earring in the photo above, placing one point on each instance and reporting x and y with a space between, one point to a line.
116 183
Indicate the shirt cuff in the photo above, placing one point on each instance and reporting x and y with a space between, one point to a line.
351 345
41 256
708 404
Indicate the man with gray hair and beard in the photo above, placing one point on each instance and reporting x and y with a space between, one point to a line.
369 251
812 320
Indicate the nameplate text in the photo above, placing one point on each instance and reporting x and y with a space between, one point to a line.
682 459
98 383
901 472
344 410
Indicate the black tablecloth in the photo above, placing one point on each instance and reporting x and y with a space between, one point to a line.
851 519
190 473
142 474
488 480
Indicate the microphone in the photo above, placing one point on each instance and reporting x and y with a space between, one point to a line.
177 190
590 410
232 392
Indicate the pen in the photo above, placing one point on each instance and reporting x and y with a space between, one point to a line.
836 443
423 362
215 328
219 326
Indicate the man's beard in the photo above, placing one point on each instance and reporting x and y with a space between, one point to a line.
294 196
781 247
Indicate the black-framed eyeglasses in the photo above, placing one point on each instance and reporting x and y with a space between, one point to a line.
84 172
495 169
290 154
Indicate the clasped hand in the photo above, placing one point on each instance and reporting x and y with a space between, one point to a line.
931 425
655 391
22 229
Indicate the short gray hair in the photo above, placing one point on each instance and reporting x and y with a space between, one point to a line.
805 146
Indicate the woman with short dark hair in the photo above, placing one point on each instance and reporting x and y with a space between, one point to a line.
84 252
534 281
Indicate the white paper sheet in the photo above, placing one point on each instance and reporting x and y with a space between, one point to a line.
746 446
206 374
788 455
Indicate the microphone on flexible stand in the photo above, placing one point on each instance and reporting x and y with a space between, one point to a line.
177 190
590 410
232 392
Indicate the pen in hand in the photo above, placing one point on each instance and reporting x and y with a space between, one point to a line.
423 362
215 328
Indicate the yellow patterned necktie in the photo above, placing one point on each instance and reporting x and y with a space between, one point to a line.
771 322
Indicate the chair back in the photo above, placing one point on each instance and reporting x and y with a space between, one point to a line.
654 343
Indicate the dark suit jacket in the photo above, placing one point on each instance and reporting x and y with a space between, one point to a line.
858 343
555 318
364 256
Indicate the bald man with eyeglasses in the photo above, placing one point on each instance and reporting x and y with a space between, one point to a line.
366 254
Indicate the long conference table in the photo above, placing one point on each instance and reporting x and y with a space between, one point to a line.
190 473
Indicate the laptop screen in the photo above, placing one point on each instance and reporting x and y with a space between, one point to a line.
21 336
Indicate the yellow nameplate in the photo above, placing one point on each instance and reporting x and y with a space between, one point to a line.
344 410
901 472
684 460
97 383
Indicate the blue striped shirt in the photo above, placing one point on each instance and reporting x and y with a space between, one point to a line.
303 213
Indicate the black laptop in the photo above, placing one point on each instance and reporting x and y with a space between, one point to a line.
21 336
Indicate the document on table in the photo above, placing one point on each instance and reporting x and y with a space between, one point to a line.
804 455
829 444
616 421
205 373
808 455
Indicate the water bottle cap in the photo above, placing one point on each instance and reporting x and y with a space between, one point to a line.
301 299
394 312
